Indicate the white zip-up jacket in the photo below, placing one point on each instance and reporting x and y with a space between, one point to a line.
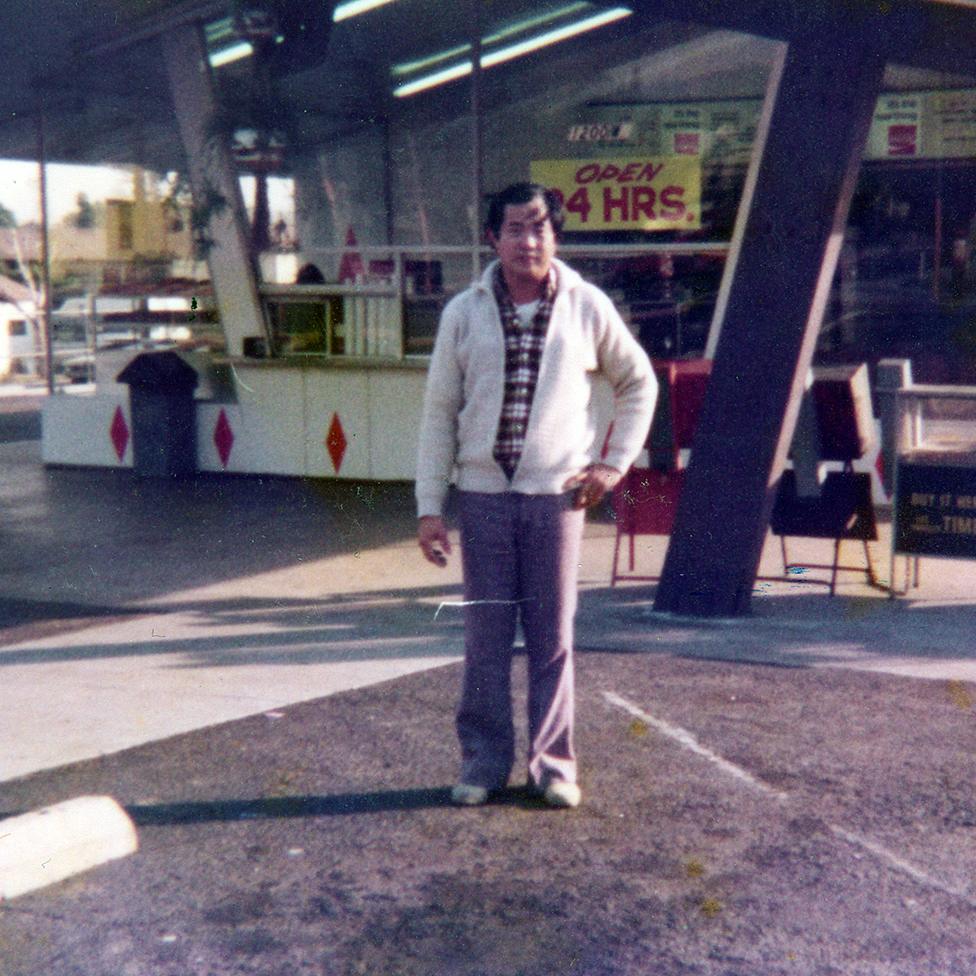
466 384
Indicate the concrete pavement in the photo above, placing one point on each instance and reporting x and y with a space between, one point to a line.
148 609
134 610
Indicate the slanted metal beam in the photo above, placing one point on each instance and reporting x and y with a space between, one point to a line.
147 27
213 177
929 34
819 107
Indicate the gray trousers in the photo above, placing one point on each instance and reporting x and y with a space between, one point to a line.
520 557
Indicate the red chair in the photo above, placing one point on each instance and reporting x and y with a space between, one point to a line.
644 503
645 500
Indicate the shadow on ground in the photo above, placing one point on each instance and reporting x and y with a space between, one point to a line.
76 543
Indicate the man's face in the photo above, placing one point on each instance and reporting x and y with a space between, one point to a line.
526 242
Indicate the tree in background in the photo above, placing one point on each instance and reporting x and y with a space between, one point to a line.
84 216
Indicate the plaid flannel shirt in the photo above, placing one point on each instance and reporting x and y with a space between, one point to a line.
523 354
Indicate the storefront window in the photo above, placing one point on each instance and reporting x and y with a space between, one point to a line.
649 144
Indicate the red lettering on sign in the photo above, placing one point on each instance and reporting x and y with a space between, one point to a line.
902 140
672 206
629 173
579 203
611 203
622 201
642 202
648 173
634 172
588 173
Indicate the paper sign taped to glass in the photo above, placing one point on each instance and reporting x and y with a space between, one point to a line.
649 193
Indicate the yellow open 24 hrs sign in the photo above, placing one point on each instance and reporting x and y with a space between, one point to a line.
626 193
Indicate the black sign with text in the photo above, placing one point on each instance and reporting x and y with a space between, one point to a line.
935 510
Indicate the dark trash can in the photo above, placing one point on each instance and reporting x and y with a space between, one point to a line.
164 442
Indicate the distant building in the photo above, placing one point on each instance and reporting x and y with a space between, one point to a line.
20 341
145 229
142 239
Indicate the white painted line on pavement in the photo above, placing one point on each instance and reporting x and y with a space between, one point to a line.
686 739
900 864
892 860
53 843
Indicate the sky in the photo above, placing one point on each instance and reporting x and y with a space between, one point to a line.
19 189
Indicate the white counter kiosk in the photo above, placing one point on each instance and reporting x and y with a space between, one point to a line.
340 417
339 396
934 512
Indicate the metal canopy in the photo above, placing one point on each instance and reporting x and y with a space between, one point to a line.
98 71
939 35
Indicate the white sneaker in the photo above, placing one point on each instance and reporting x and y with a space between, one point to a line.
469 795
559 793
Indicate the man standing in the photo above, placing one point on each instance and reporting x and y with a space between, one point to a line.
508 405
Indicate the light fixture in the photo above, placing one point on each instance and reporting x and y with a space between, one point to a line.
537 21
223 30
411 67
511 51
353 8
519 27
227 55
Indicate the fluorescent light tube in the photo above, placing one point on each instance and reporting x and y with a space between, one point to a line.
410 67
233 53
537 21
553 37
353 8
512 51
433 80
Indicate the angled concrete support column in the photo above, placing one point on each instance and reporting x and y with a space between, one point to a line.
819 109
211 171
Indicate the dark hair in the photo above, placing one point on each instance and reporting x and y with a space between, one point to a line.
521 193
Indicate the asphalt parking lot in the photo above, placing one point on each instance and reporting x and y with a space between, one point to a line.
788 793
738 819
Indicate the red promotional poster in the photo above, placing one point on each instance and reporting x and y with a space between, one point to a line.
902 140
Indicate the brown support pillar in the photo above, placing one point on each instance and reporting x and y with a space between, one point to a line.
821 108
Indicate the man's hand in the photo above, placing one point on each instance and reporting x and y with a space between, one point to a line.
432 539
591 484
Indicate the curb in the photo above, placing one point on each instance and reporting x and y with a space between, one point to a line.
53 843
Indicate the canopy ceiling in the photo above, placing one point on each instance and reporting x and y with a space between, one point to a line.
97 69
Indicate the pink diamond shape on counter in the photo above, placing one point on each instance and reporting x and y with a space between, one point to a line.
223 437
335 442
119 433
